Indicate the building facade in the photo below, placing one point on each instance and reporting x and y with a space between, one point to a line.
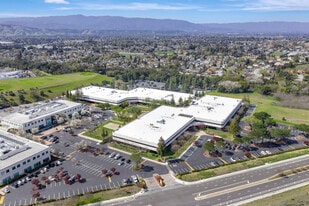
40 116
19 156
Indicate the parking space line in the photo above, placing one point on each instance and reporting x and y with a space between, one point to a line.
290 146
2 199
222 160
253 155
143 162
188 165
109 178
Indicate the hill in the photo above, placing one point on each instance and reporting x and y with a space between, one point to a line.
95 25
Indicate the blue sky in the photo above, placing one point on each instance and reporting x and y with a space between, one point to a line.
197 11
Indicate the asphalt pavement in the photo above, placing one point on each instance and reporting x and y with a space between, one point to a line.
226 189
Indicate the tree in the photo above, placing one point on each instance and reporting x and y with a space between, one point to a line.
262 116
173 101
209 146
21 98
220 145
302 127
104 172
234 127
161 146
265 90
136 158
279 134
124 104
180 101
258 133
113 170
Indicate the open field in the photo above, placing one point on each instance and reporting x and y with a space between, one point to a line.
53 85
54 82
299 196
270 105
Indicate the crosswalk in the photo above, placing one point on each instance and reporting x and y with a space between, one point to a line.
89 167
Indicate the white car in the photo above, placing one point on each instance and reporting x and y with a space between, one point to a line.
6 190
134 178
232 159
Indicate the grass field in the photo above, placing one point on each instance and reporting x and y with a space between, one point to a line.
53 85
270 105
299 196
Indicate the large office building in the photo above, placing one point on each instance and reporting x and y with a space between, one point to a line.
116 96
19 155
169 122
213 111
145 132
40 115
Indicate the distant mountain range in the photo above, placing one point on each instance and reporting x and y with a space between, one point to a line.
94 25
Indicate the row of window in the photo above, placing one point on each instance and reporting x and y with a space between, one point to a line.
41 120
32 123
24 162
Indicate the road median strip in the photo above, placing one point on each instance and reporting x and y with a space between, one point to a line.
221 192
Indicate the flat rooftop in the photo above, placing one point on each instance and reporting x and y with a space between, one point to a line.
162 122
116 96
14 148
213 109
26 113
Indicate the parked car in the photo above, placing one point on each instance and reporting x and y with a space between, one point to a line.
117 156
134 178
111 155
6 190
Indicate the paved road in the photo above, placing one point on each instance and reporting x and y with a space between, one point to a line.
225 190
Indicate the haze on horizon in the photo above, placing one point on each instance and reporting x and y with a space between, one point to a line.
196 11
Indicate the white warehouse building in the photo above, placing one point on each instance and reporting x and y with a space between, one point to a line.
19 155
39 116
116 96
169 122
145 132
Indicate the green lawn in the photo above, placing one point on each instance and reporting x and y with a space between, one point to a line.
270 105
53 85
96 133
297 196
166 52
276 54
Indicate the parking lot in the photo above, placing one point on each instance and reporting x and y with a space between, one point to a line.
194 157
88 164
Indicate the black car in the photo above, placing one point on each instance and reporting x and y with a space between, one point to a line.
128 161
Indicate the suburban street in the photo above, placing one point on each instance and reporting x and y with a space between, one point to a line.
226 189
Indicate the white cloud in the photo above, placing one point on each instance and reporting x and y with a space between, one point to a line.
131 6
276 5
56 1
